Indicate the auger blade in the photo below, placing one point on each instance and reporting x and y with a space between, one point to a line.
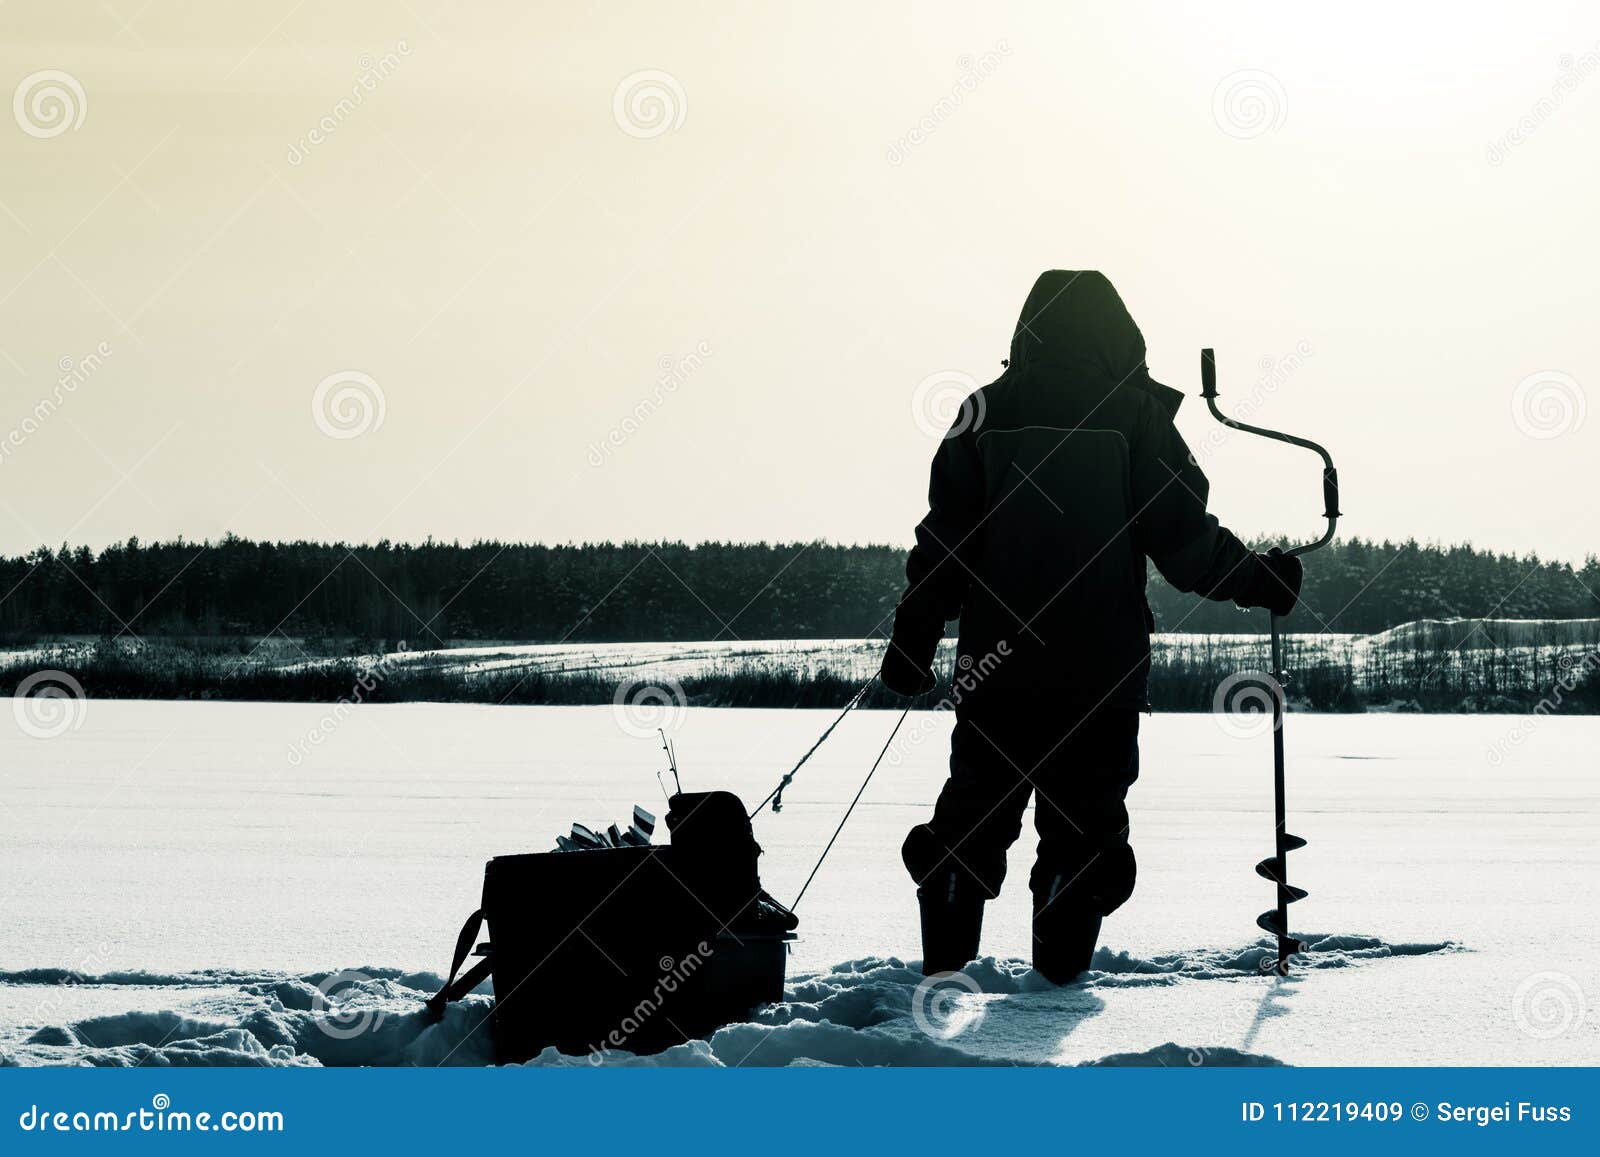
1293 843
1265 870
1268 922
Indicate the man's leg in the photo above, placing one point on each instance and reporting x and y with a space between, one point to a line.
1085 868
959 858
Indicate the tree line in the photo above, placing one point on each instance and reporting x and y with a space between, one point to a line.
433 593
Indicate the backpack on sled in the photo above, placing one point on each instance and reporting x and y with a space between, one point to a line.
627 948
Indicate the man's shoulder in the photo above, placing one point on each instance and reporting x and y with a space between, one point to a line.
1164 398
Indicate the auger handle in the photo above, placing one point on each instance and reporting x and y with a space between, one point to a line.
1330 475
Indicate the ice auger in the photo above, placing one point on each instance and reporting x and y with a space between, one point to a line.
1276 866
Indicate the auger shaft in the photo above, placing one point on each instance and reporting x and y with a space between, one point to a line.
1276 920
1280 807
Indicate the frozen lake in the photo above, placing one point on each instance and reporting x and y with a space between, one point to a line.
181 859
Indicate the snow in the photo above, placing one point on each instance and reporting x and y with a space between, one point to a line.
1457 634
177 890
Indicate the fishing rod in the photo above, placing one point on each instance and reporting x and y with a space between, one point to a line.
1276 867
672 765
776 796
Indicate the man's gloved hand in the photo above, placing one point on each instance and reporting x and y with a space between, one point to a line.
1276 585
903 674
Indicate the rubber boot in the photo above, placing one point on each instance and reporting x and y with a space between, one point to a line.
952 922
1064 937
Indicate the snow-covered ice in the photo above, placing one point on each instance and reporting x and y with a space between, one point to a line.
176 886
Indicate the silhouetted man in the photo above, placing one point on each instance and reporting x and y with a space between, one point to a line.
1048 494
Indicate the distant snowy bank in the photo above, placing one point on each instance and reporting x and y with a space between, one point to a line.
1436 665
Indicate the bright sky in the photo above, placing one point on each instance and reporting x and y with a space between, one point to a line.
497 250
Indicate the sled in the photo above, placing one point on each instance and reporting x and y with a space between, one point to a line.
628 948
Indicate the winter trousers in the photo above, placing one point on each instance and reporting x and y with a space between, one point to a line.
1077 768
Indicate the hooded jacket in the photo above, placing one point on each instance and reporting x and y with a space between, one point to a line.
1048 494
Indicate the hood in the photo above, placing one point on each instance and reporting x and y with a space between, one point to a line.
1075 318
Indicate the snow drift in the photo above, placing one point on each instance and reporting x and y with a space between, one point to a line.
872 1011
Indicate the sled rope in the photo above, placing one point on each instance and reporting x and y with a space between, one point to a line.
776 797
846 817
